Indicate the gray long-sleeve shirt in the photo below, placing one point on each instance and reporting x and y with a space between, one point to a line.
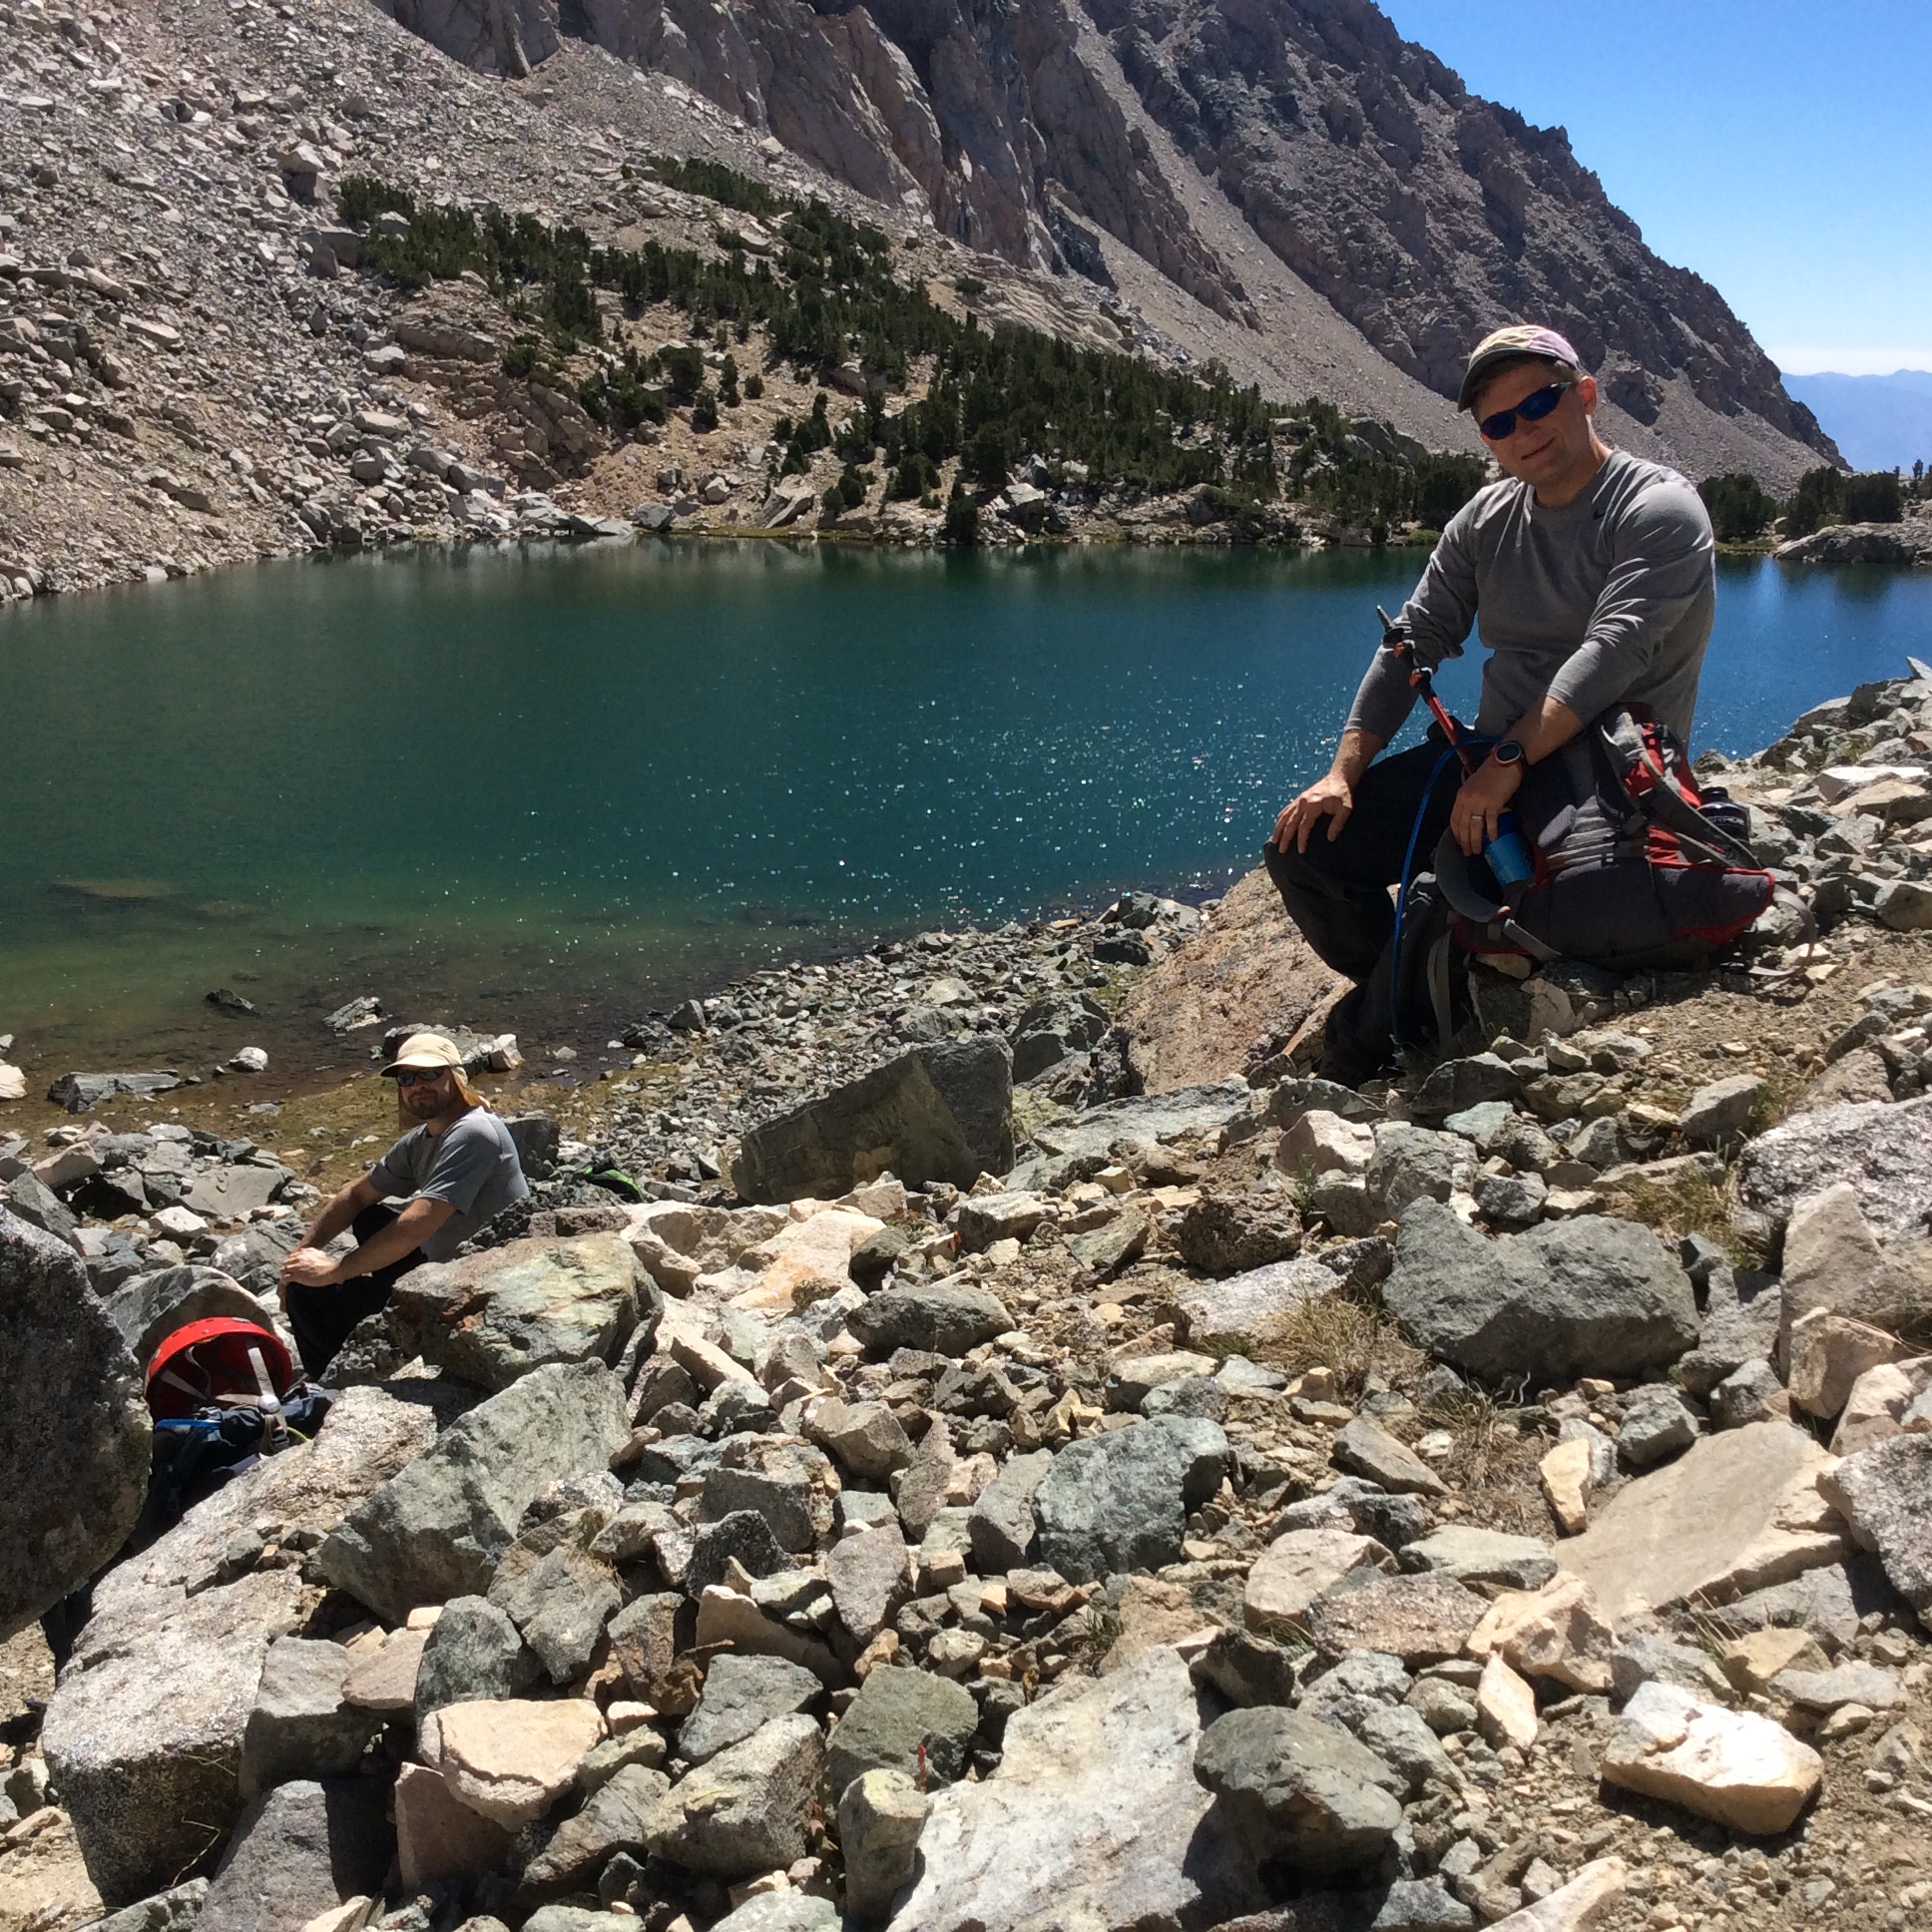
1602 601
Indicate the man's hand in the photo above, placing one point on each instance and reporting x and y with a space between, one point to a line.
1331 797
1483 800
308 1267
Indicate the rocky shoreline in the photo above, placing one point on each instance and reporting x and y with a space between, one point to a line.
1180 1492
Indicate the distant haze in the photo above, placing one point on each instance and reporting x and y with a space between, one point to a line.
1881 422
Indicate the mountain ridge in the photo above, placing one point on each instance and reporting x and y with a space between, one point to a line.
1879 422
1285 166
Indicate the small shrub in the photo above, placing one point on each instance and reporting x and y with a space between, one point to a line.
1740 508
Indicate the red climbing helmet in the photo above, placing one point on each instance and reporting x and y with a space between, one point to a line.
222 1362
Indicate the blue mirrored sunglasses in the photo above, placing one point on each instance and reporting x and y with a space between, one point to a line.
1533 408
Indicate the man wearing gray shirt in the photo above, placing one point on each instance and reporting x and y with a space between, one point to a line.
1590 575
460 1169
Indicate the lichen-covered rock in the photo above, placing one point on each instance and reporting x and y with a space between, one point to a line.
438 1528
73 1426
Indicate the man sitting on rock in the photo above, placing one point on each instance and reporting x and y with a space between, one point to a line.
460 1169
1591 576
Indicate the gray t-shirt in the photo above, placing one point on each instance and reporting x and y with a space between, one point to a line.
1602 601
472 1164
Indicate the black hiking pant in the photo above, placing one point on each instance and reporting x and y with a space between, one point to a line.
1337 892
322 1317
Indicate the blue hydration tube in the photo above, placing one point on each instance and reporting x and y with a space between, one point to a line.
1452 749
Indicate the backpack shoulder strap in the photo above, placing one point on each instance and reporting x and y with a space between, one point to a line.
1659 800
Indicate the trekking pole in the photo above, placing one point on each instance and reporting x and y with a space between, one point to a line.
1508 856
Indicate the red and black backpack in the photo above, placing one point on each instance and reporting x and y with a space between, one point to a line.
1636 868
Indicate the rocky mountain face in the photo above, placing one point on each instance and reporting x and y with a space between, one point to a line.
1398 201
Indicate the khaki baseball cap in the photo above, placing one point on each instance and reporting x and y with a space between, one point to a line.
1501 344
424 1050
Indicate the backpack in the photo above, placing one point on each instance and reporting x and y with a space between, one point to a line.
1636 868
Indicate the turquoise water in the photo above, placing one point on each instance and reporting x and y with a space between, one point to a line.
548 789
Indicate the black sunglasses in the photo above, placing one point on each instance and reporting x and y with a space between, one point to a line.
1533 408
416 1076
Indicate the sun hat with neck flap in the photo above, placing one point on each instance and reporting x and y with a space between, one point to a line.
1506 345
425 1052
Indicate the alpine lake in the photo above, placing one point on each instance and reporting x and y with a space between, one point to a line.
545 790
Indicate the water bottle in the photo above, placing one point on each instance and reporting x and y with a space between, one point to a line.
1508 855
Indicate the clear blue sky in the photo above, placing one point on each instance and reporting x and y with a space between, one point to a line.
1781 150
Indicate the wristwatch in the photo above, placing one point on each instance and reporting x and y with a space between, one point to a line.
1507 753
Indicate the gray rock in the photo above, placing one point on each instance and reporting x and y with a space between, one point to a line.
863 1438
1364 1507
1741 1325
1366 1450
1589 1296
254 1257
1455 1085
747 1810
788 1482
939 1113
742 1537
1885 1494
645 1642
73 1430
881 1816
894 1715
782 1912
1103 1251
1826 1690
1827 1601
1300 1790
1511 1199
1477 1556
437 1530
943 1317
1232 1234
1001 1527
1751 1392
146 1725
1883 1149
1350 1686
561 1918
1120 1501
1415 1163
1833 1261
1418 1619
493 1316
1253 1310
1403 1741
1093 1819
474 1653
1722 1111
560 1603
300 1850
174 1910
300 1726
870 1573
1655 1426
1442 1706
79 1093
1641 1655
1422 1905
39 1206
1050 1029
617 1818
1287 1102
151 1306
1147 1117
742 1694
